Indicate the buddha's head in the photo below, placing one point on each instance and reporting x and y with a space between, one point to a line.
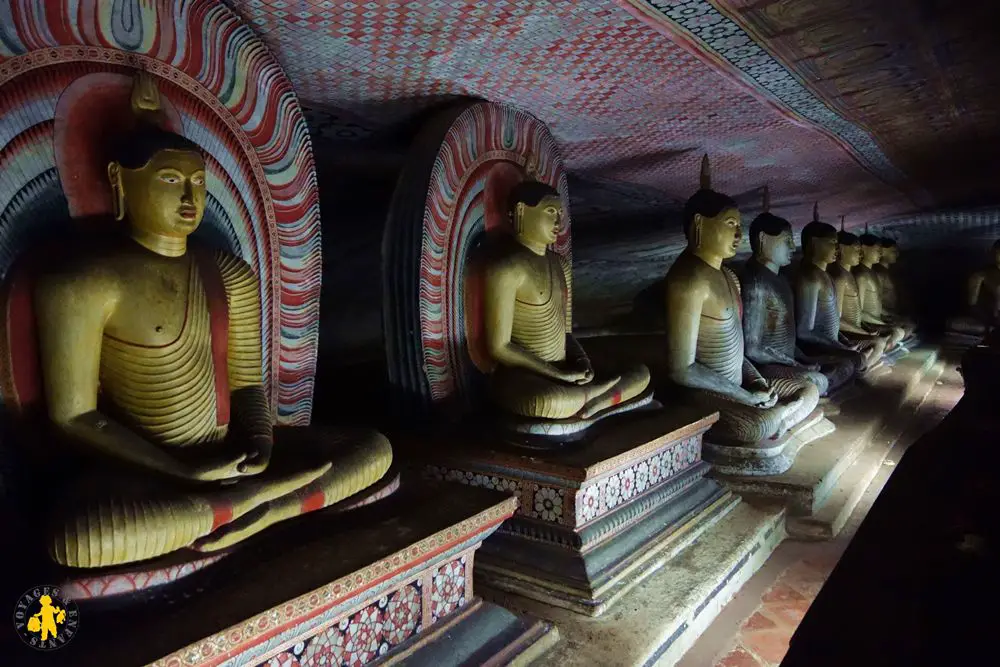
771 239
848 248
712 222
157 177
871 249
890 252
536 211
819 242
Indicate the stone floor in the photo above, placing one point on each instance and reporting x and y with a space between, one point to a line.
754 629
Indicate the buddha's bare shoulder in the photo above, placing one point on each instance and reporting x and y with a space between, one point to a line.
690 275
94 272
506 258
688 268
808 274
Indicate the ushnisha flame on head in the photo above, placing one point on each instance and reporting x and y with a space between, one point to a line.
157 177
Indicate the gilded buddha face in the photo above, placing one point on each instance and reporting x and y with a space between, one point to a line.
166 196
719 235
539 224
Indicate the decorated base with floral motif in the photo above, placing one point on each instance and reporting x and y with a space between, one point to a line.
595 518
389 582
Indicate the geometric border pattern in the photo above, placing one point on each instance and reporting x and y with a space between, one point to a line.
270 632
577 506
712 31
936 226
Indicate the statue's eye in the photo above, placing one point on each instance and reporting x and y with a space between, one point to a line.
170 178
198 180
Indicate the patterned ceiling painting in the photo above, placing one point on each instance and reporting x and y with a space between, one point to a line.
921 77
630 93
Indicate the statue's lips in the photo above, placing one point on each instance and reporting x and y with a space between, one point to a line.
187 213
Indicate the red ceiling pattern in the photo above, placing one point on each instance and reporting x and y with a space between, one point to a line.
632 91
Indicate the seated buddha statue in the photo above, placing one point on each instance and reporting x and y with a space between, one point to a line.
893 298
769 326
150 357
846 288
706 354
817 317
870 293
982 298
538 370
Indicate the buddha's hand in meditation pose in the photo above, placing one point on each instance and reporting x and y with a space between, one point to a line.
760 395
221 469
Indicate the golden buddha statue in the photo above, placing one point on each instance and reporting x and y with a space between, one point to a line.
539 370
848 297
870 292
769 327
706 355
146 346
817 315
983 294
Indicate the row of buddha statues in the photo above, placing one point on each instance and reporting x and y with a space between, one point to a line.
150 354
759 348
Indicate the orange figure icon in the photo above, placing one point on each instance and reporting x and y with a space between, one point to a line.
45 620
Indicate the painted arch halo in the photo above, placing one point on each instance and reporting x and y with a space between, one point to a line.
452 191
232 99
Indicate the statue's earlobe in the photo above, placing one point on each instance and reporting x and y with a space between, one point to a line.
518 216
696 223
117 190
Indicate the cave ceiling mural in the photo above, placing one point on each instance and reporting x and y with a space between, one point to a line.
855 103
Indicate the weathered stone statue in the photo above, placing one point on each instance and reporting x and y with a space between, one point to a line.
540 370
848 300
706 354
885 277
817 312
151 360
893 301
769 313
870 293
983 293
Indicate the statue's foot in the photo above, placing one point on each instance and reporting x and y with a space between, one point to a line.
255 491
236 531
277 507
599 400
790 410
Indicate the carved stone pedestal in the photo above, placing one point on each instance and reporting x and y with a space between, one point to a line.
830 473
387 582
596 518
768 457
